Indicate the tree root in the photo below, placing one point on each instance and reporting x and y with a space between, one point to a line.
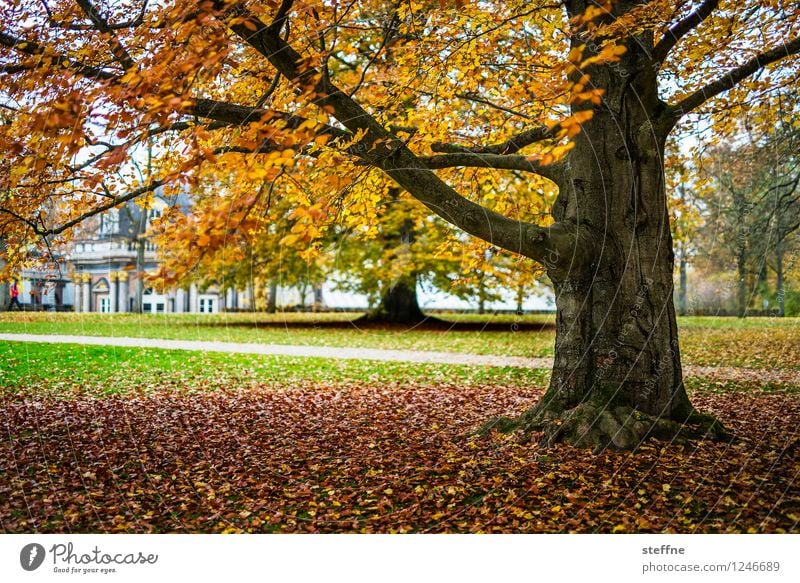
601 427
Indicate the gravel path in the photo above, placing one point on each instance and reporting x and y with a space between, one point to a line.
782 376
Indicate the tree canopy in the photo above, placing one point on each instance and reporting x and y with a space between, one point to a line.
451 100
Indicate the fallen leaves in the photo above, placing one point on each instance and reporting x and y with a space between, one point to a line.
389 457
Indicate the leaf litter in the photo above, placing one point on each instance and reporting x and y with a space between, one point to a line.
377 457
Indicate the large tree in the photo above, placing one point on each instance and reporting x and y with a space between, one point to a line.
434 96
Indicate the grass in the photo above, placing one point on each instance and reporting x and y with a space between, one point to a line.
750 342
31 369
303 329
67 369
150 440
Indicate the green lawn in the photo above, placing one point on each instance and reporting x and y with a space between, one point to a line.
303 329
752 342
70 369
147 440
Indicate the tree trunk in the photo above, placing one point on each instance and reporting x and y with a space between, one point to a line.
303 292
319 303
741 271
779 285
272 298
617 375
398 305
140 250
251 295
141 227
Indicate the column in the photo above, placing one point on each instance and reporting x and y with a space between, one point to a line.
180 300
229 302
122 302
113 296
87 292
193 298
77 280
248 298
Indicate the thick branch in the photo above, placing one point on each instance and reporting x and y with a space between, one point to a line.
387 152
730 80
682 28
236 115
554 172
511 146
100 23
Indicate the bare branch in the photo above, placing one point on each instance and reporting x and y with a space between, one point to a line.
730 80
554 172
115 201
137 21
474 97
178 126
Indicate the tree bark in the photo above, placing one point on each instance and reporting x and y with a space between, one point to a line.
617 375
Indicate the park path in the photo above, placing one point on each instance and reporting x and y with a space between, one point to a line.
290 350
781 376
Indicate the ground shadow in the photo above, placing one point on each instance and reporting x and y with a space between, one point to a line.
430 323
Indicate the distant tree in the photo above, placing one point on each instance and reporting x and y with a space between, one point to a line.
387 259
751 209
260 247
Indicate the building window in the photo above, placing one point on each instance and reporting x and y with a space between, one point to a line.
105 304
208 305
153 303
109 223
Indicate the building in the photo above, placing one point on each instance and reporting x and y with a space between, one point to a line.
109 267
106 264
